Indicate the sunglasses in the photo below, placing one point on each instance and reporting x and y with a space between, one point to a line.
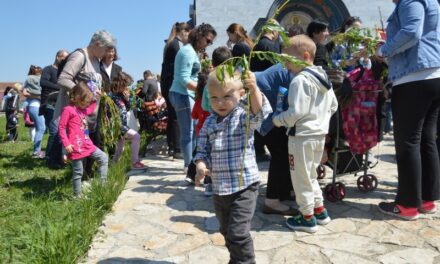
208 41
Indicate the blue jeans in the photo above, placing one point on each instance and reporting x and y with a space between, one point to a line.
48 115
52 140
183 105
40 127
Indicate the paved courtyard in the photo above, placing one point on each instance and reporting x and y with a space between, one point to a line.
157 219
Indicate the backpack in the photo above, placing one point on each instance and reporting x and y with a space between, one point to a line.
63 62
359 116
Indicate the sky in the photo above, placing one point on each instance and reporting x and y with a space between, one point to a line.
31 32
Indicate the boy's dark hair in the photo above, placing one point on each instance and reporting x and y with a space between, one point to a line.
316 27
220 55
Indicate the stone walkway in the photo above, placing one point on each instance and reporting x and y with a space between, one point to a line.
157 219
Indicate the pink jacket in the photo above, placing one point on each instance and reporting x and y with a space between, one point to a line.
72 130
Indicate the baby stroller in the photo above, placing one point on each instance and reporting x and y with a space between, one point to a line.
355 131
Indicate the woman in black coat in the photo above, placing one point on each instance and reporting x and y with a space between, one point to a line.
178 37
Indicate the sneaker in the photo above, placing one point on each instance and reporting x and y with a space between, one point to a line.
170 152
208 190
85 186
38 155
428 207
406 213
177 155
299 223
322 218
138 166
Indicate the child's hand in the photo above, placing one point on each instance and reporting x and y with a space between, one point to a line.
69 149
201 172
249 81
126 94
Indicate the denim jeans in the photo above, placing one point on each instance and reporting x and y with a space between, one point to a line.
78 169
48 115
39 126
183 105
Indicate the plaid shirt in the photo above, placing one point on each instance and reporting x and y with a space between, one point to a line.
221 146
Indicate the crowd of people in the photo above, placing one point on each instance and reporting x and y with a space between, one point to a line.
221 134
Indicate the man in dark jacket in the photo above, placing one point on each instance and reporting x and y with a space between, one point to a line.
49 93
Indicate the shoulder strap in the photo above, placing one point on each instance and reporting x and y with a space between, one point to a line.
85 58
327 84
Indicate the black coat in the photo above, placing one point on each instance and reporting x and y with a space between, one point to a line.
107 79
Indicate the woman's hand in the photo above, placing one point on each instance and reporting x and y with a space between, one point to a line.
98 94
229 43
26 93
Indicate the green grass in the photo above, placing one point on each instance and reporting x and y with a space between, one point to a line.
40 222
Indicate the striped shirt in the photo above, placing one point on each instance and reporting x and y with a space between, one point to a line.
221 145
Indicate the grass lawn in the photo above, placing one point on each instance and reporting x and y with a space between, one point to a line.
40 222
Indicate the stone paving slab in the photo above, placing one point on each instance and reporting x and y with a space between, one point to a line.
157 219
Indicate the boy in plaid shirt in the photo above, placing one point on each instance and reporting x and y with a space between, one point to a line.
225 146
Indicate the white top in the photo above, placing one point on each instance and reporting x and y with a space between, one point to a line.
426 74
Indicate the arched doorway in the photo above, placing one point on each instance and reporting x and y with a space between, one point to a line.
303 11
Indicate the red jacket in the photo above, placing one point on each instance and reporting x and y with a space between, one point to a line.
199 114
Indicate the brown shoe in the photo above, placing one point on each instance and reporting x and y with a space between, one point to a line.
268 210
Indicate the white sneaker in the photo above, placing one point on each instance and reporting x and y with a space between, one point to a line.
85 186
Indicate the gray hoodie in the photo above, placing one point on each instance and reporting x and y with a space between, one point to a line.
311 104
32 85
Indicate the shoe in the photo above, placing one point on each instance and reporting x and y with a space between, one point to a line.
208 190
138 166
428 207
177 155
322 218
406 213
38 155
170 152
299 223
85 186
269 210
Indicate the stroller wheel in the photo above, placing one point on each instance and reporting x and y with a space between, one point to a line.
320 171
367 182
334 192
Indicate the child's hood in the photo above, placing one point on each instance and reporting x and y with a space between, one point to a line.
318 77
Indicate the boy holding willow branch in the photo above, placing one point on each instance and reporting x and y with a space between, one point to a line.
225 146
